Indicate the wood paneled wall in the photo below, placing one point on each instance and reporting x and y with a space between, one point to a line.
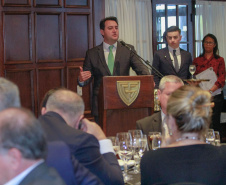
43 43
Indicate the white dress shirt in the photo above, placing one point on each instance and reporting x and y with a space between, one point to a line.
106 50
106 146
165 131
18 179
177 54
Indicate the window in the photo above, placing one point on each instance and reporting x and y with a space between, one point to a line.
167 13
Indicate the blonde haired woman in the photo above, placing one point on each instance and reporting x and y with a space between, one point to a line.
187 159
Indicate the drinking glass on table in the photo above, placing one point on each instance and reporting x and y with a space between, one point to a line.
114 144
125 150
151 136
192 69
156 141
139 145
217 138
210 137
136 132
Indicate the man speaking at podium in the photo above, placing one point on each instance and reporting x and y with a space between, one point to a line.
110 58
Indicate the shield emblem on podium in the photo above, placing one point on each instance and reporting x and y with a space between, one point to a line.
128 90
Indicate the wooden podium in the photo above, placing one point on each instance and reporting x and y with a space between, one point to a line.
123 100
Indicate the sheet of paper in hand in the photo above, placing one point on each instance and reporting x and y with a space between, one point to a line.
211 75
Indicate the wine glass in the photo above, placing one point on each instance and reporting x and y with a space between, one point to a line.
142 145
156 141
192 69
150 138
135 135
139 143
210 137
114 144
217 138
136 132
125 150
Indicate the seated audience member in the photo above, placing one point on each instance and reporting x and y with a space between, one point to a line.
46 97
23 149
71 171
64 112
9 94
156 122
187 158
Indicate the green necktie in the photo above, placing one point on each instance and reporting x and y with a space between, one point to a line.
111 59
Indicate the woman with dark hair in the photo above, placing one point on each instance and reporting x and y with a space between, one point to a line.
210 58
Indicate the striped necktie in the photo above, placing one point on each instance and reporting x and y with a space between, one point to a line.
175 61
111 59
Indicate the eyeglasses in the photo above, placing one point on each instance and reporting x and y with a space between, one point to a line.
209 43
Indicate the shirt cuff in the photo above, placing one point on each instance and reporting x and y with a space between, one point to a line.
106 146
80 83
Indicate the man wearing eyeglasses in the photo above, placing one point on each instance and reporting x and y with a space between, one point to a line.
172 60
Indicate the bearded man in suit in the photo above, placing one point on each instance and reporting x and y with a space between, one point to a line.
157 121
98 62
172 60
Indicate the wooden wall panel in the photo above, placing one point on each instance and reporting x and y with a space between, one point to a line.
16 2
49 37
25 81
72 75
17 33
77 3
77 44
54 3
43 43
48 78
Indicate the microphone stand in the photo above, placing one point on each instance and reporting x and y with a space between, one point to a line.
145 62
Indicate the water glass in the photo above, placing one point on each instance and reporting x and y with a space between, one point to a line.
156 142
192 69
114 144
217 138
136 132
125 152
151 136
210 137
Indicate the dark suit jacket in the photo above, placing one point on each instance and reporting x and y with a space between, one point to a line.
42 174
95 63
85 147
151 123
70 170
163 63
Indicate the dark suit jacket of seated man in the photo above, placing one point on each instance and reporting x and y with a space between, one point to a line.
154 123
151 123
101 161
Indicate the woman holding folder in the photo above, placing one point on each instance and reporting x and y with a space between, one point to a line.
210 58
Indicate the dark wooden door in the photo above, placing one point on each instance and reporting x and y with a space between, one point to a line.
43 43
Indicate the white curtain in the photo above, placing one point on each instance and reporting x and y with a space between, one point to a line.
211 18
135 24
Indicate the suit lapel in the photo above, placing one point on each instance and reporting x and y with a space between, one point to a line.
158 122
102 58
36 172
183 57
117 57
168 59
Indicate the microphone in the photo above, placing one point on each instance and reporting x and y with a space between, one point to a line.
146 63
124 44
